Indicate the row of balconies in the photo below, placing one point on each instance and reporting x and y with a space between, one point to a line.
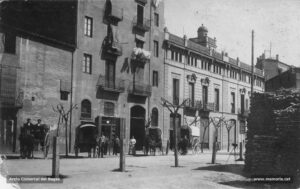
199 105
117 85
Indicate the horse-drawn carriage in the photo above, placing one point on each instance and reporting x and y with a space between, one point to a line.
153 141
85 140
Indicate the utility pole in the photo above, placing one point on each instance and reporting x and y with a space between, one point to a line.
252 63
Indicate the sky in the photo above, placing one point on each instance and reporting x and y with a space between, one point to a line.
276 24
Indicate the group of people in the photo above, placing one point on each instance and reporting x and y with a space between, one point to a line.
103 145
34 136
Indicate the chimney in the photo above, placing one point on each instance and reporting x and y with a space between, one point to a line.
185 40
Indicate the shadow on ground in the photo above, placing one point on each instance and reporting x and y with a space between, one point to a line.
239 170
230 168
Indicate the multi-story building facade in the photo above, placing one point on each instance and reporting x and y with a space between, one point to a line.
272 66
36 61
114 76
215 85
103 56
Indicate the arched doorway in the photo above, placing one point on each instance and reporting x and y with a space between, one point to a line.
137 125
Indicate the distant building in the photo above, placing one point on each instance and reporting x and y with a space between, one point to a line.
215 85
271 66
289 79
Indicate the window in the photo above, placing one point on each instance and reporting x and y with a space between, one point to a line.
191 93
86 110
172 55
175 91
10 43
109 109
156 19
155 78
205 95
233 102
87 64
156 48
140 14
217 100
154 117
242 103
139 43
88 26
64 95
110 74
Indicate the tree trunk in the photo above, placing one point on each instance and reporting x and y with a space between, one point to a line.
175 140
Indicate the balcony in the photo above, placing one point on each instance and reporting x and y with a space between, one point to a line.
111 85
142 24
193 104
140 89
112 48
139 57
243 113
207 106
113 14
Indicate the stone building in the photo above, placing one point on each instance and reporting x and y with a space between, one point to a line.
35 64
103 56
289 79
272 66
215 85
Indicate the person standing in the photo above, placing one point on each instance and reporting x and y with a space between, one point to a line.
132 145
116 146
102 145
28 127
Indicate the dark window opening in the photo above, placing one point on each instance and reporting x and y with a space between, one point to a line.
154 117
110 74
156 48
156 19
175 91
64 95
140 14
10 43
217 100
233 102
155 78
86 109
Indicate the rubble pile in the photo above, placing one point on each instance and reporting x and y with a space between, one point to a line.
273 137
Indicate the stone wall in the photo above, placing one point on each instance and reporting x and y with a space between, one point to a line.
273 138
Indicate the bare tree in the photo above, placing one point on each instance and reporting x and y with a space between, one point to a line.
63 119
228 125
217 123
174 108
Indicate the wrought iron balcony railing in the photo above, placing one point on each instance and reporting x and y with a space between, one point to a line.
142 24
111 84
113 14
193 104
209 106
140 89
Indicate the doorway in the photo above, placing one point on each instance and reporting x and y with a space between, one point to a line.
137 125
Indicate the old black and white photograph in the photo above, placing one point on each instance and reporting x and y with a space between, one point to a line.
149 94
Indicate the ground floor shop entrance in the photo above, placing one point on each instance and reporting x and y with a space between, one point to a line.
8 130
137 126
